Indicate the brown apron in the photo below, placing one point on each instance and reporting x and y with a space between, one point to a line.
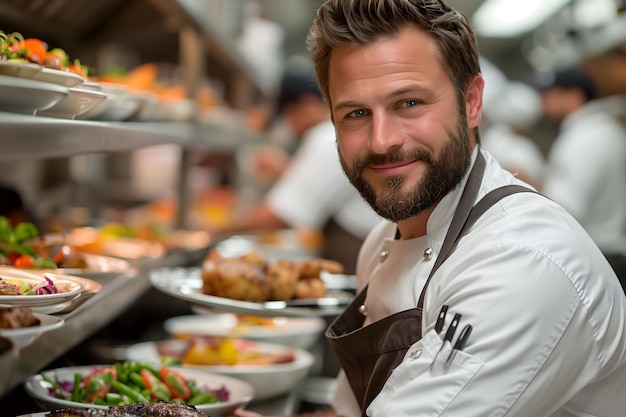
369 354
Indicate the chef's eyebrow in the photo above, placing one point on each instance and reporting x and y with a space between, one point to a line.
393 94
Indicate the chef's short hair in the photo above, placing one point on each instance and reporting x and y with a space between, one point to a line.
574 77
295 85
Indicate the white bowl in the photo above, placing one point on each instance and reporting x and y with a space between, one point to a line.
24 336
269 381
241 392
78 102
299 332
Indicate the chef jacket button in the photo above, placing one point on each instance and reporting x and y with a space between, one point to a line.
428 253
383 255
363 309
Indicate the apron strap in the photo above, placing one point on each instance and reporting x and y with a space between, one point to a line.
466 215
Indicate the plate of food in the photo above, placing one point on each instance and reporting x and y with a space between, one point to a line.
250 284
19 68
35 288
23 326
91 240
54 76
300 332
251 361
130 386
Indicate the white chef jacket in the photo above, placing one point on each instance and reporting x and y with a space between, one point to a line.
586 174
548 315
314 188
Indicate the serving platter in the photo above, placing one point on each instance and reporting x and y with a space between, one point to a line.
24 336
240 391
186 284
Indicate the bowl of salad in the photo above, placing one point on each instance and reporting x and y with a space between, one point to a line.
128 382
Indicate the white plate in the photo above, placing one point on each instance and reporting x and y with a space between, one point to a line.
24 336
269 381
19 69
20 95
186 284
78 102
240 391
300 332
71 286
63 78
98 268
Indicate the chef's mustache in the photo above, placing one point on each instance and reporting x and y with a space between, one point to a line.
393 157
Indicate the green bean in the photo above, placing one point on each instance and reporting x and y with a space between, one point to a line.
203 398
131 393
78 378
135 378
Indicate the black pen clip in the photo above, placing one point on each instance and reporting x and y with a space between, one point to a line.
441 319
452 328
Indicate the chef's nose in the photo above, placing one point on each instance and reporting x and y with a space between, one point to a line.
384 133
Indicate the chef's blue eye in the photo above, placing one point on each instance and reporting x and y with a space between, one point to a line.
410 103
357 113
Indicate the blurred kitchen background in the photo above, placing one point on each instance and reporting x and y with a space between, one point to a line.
194 46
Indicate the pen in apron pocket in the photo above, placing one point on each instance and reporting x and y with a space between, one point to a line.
460 342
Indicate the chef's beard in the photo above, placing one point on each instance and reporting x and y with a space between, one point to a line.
442 175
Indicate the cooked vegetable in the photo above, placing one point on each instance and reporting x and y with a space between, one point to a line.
131 382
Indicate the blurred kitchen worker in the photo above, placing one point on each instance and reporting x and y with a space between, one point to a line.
508 117
312 192
465 243
586 170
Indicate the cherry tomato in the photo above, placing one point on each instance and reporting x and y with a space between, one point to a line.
176 383
98 384
24 261
34 49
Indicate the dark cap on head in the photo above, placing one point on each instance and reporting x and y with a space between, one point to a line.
572 78
293 86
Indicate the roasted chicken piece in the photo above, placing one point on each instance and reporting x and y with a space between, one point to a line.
283 276
314 267
241 280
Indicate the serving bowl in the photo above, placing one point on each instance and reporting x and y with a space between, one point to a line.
299 332
240 392
268 380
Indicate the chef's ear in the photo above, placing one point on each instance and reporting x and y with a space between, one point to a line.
474 101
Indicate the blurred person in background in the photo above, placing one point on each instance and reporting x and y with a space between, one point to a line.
586 169
312 192
508 117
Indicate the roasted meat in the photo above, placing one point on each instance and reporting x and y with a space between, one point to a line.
6 288
158 409
15 317
87 412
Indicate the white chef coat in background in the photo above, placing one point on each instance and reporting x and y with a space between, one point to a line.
548 315
314 188
586 174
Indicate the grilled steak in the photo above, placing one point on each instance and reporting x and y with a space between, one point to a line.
17 317
87 412
159 409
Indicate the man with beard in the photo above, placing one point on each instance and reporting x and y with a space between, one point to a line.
479 297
